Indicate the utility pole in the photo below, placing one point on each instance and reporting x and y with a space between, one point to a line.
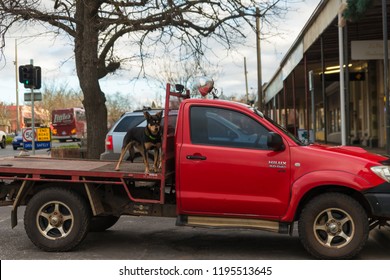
259 79
17 87
32 113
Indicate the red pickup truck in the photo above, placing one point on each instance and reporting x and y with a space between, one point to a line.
225 165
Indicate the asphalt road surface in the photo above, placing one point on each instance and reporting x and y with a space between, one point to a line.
148 238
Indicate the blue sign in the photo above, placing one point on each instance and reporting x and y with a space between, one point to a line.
38 145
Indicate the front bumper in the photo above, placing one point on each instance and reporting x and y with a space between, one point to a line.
379 200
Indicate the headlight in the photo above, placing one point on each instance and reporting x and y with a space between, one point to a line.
382 171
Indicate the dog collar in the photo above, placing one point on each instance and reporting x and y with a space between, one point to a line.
153 138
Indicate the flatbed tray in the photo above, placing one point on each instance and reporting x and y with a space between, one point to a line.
40 166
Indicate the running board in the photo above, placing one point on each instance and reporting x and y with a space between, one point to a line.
224 222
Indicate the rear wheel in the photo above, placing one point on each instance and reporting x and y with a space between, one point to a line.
57 219
101 223
333 226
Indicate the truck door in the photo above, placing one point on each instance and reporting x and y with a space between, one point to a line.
226 167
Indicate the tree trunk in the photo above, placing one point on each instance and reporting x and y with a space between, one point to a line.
86 52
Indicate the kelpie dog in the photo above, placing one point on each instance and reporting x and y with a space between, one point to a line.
144 139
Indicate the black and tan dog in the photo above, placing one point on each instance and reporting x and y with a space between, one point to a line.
144 139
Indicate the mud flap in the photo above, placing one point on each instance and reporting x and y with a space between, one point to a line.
14 217
14 212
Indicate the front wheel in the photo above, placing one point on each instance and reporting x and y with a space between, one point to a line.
56 219
333 226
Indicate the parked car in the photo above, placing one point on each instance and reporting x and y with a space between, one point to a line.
17 141
115 135
3 139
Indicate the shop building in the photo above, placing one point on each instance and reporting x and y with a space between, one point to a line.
306 93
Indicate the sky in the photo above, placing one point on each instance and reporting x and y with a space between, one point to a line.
58 69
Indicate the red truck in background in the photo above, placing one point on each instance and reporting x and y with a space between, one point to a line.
69 124
225 165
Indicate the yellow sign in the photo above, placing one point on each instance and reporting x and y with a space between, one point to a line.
43 134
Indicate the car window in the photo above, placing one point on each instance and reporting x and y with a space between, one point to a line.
128 122
222 127
172 122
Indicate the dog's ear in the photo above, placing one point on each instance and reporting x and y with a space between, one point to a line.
147 115
159 114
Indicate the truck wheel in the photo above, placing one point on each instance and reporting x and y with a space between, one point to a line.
101 223
333 226
56 219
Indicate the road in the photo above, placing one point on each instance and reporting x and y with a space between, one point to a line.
148 238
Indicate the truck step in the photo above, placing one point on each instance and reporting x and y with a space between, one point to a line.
228 222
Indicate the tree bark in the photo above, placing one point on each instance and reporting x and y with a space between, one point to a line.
86 44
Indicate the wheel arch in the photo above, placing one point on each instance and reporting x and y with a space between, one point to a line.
358 196
31 188
37 187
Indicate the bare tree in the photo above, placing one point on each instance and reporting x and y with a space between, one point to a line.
118 104
99 27
173 70
58 97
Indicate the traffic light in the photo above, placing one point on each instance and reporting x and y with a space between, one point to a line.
37 77
26 75
30 76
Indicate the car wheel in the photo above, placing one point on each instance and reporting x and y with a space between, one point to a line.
15 148
57 219
333 226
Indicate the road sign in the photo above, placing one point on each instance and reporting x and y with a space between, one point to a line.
43 134
38 145
42 138
27 134
37 96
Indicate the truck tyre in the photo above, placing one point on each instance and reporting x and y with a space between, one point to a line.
333 226
57 219
101 223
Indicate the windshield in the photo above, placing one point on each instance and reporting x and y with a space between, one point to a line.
286 132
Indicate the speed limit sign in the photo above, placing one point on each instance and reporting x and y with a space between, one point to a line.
27 134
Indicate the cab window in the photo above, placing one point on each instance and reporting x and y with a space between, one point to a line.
223 127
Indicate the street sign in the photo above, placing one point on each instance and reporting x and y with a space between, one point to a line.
42 138
37 96
43 134
38 145
27 134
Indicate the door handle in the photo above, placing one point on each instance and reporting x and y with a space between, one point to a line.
196 157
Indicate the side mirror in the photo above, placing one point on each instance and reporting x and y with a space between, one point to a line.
275 141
